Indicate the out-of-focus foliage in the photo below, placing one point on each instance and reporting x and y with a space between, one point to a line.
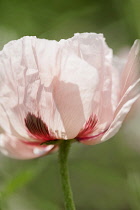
105 176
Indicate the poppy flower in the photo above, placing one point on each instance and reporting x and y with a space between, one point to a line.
71 89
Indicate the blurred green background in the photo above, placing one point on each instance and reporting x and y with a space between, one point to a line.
105 176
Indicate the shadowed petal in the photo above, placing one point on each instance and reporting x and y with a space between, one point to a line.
74 92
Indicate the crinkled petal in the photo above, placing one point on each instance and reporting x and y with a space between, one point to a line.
33 73
15 148
91 47
25 68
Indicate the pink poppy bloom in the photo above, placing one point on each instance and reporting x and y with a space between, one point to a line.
71 89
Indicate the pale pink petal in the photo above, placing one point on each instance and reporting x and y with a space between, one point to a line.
94 50
64 97
130 90
12 83
15 148
103 102
85 59
132 69
73 93
131 95
22 82
90 47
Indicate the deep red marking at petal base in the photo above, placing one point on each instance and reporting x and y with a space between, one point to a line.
37 129
90 137
89 127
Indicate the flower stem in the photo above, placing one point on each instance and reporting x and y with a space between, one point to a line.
63 157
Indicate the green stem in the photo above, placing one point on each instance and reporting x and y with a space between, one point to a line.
63 157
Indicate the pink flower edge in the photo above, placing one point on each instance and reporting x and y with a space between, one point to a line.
15 148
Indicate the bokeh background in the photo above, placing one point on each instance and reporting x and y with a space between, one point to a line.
105 176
